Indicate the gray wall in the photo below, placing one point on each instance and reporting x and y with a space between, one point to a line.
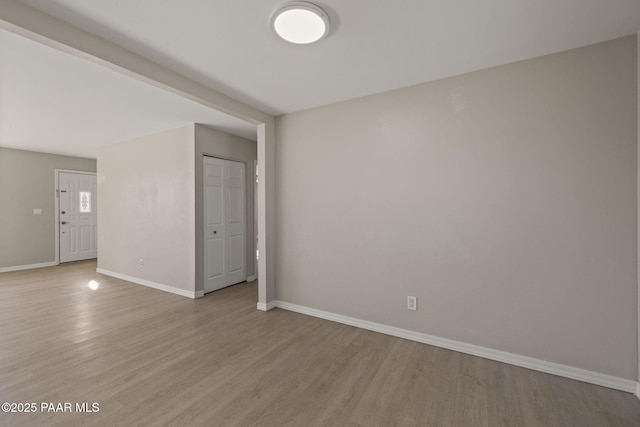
504 199
27 181
146 208
219 144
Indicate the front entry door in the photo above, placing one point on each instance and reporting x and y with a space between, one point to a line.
224 223
78 216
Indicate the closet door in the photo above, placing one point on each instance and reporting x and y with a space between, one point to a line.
224 223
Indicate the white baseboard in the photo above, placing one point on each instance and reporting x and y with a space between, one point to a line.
638 389
251 278
150 284
268 306
591 377
27 267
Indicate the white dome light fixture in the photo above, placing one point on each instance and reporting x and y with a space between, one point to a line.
300 22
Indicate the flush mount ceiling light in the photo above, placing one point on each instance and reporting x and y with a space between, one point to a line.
300 22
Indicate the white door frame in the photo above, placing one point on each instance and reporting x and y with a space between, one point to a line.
255 230
56 192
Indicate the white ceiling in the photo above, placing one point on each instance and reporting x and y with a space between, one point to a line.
375 45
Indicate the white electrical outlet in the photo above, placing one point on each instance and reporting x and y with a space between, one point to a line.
412 303
141 262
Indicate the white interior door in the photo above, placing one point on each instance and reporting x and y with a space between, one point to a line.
78 216
224 223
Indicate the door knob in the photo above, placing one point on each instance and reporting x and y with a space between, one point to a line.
63 212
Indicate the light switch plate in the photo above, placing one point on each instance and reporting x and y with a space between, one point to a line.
37 211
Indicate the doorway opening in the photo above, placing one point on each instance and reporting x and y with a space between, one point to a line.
76 216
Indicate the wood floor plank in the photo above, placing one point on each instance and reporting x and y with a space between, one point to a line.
502 399
150 358
431 402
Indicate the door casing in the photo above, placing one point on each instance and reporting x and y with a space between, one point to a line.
56 208
226 225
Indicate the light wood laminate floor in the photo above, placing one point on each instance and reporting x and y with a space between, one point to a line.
154 359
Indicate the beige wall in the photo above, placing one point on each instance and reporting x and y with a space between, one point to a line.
146 210
27 181
504 199
230 147
638 270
